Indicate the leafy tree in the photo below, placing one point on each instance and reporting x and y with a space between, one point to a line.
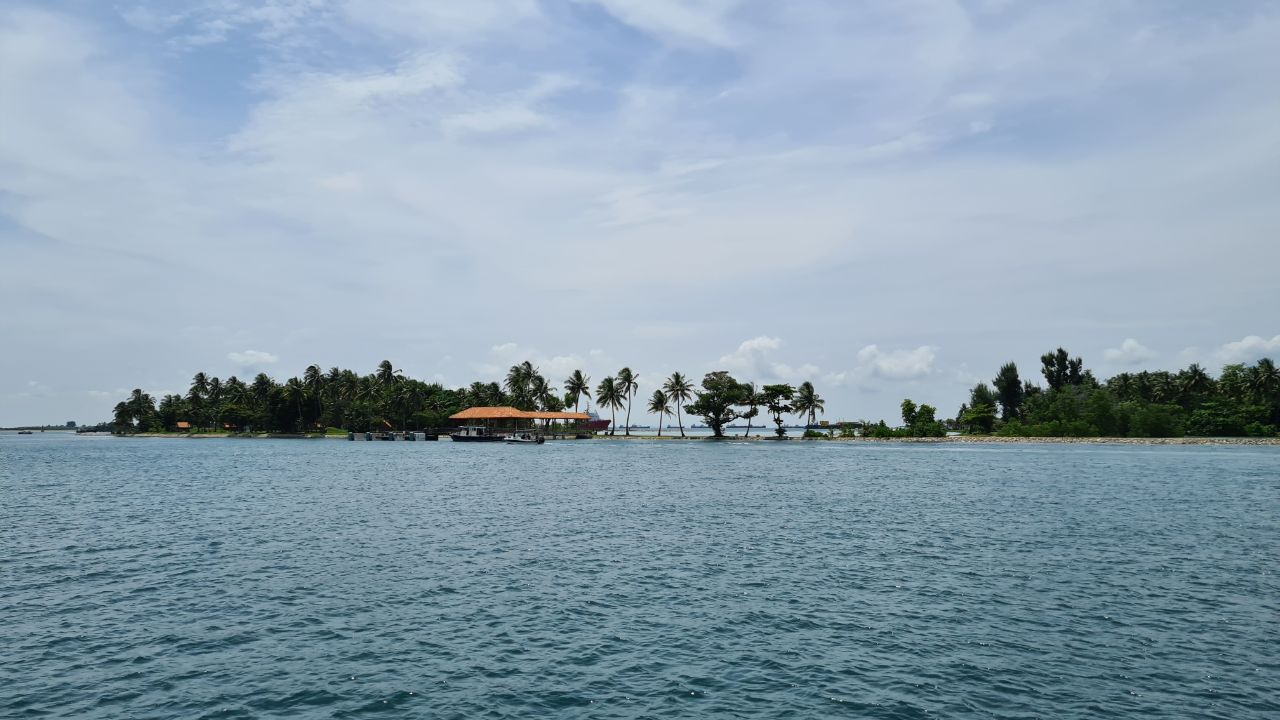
909 411
1061 370
777 398
1009 391
716 401
679 390
980 413
979 418
660 405
921 420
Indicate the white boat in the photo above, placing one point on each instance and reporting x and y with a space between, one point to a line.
525 438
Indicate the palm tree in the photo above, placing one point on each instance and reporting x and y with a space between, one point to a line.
578 385
627 385
1264 379
294 392
261 387
519 379
658 403
313 380
196 395
808 403
753 400
681 390
214 398
386 374
609 394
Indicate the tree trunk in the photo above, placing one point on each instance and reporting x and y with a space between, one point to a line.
627 431
659 424
679 418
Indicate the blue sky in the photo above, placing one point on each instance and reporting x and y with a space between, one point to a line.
887 198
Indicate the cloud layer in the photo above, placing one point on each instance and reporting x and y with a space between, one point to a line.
853 187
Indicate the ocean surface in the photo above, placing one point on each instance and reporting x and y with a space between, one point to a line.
259 578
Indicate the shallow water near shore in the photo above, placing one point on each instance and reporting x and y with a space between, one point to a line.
157 579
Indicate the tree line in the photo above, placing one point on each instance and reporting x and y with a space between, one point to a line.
388 400
1243 401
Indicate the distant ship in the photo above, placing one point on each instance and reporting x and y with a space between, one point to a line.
596 424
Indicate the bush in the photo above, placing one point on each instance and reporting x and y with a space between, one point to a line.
1257 429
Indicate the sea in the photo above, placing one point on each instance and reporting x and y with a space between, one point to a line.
163 578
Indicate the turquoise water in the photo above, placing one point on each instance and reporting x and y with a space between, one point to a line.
223 578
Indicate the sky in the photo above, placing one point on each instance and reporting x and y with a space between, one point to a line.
888 198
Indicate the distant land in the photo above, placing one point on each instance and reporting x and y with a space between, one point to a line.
1241 401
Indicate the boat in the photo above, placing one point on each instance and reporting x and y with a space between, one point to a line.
524 438
25 432
595 423
475 433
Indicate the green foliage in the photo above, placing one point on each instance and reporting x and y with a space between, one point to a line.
679 390
1009 391
908 412
808 403
919 421
609 394
1154 420
977 419
1060 370
777 398
717 400
816 434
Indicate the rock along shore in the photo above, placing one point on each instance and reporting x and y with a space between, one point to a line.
964 439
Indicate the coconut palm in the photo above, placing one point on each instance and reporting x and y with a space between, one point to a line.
518 383
261 387
196 396
679 389
578 385
752 400
386 374
807 403
627 385
1264 379
214 401
658 403
295 392
609 394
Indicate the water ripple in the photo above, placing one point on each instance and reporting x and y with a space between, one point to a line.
156 579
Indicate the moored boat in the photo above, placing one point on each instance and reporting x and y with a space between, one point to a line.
524 438
475 433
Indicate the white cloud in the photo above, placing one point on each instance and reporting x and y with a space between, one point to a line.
897 364
1130 352
1249 349
249 358
677 21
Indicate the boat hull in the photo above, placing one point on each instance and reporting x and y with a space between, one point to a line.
476 438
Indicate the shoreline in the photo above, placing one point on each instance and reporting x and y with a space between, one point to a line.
952 439
976 439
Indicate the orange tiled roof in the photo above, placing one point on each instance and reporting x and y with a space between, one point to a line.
510 413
